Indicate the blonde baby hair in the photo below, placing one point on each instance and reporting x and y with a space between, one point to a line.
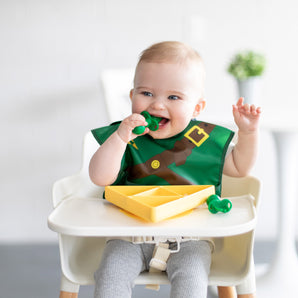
173 52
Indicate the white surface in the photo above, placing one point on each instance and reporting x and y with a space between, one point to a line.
280 120
96 217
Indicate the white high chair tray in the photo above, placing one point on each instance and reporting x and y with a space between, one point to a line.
80 216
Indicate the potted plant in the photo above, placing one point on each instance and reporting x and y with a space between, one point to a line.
247 67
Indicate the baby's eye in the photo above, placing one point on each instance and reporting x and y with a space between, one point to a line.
173 97
146 93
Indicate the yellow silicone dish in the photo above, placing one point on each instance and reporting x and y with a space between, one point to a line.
156 203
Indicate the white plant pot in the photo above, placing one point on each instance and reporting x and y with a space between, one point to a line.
250 89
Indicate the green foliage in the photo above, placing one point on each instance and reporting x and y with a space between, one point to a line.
247 64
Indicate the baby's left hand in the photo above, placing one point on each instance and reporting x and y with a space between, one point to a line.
246 116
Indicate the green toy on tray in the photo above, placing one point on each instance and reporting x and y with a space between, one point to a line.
215 204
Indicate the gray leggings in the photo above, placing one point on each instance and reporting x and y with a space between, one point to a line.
122 262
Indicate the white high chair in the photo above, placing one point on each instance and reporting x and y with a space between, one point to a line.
83 220
116 84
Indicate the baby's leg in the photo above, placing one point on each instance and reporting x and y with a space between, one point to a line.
122 262
188 270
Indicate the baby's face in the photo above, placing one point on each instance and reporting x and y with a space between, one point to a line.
170 91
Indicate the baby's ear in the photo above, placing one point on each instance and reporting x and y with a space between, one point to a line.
200 106
131 93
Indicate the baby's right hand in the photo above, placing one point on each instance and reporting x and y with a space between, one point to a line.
128 124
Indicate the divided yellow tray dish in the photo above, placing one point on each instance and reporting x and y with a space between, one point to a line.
156 203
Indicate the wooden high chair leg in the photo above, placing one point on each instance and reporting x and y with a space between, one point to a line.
227 292
68 295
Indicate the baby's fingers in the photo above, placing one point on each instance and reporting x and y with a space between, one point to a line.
247 108
240 102
134 120
253 110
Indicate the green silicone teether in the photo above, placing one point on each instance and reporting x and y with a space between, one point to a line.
152 123
215 204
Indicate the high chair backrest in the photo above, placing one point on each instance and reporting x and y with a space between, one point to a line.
90 146
232 186
116 85
79 183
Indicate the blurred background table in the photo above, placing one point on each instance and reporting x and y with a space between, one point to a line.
280 277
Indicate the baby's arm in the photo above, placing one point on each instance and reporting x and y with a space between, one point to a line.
242 158
106 161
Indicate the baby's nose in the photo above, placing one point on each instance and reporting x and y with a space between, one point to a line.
158 104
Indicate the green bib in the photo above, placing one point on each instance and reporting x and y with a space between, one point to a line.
194 156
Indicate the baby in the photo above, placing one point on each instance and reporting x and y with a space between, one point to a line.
169 84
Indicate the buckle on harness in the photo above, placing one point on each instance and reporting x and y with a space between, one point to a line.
157 240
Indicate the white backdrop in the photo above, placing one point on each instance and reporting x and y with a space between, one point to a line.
51 57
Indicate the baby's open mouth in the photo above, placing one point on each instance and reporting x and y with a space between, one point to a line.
163 121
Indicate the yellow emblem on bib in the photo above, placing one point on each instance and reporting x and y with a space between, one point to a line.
155 164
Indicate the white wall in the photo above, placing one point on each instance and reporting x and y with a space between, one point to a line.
51 57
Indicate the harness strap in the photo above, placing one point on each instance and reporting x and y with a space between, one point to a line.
160 256
158 262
